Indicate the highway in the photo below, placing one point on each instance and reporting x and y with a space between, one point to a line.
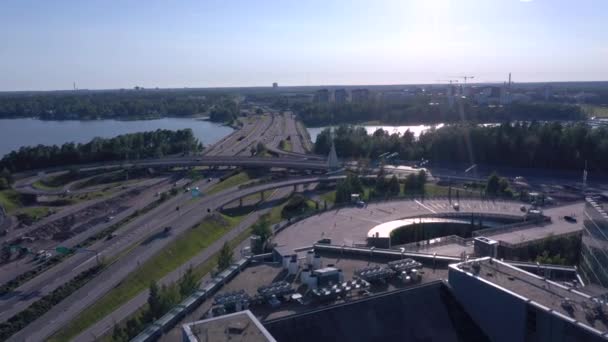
106 324
189 215
59 274
142 228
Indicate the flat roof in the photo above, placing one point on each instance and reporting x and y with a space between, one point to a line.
239 326
538 291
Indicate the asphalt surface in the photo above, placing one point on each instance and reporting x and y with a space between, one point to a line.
192 212
46 282
188 215
350 225
107 323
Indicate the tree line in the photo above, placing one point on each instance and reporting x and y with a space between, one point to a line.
533 145
380 187
92 105
152 144
160 300
418 110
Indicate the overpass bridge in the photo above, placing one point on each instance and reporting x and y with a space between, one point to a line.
27 179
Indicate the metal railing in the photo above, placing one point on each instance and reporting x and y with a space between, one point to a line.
509 228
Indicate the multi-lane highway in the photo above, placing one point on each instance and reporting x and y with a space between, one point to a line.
149 224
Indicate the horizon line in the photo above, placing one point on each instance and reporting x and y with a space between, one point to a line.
288 86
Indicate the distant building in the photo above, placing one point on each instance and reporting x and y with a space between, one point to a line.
359 95
275 85
396 96
321 96
340 96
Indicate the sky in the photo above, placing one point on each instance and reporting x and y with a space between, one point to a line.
102 44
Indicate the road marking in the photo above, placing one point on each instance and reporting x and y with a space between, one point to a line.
425 207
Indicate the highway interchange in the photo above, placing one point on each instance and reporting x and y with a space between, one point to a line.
235 150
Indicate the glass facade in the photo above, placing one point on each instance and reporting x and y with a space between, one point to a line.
594 252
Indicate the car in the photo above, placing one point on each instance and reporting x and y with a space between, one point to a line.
523 208
360 204
111 236
167 229
109 218
456 206
570 219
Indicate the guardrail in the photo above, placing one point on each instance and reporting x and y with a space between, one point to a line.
166 322
390 253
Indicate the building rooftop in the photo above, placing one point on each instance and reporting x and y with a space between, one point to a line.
425 312
239 326
569 303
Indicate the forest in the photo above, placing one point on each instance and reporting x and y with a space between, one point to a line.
116 104
419 111
533 145
123 147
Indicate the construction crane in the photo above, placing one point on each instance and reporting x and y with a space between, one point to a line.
465 78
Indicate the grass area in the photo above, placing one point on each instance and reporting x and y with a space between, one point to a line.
230 182
199 272
256 197
433 190
329 196
10 200
168 259
594 110
40 185
33 214
286 145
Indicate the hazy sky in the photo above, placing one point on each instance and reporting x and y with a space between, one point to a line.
48 44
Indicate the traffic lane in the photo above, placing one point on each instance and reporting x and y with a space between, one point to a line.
91 291
107 323
71 267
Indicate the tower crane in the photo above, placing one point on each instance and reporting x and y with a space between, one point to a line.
466 78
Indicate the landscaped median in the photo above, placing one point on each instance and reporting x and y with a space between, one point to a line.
232 181
171 257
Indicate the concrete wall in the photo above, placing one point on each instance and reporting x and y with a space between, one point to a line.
505 316
497 313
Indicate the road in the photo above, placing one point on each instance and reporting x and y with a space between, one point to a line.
107 323
189 215
46 282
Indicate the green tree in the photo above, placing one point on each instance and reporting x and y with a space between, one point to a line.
493 184
133 327
169 297
119 334
225 257
263 230
154 301
421 178
393 186
188 283
3 183
260 148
